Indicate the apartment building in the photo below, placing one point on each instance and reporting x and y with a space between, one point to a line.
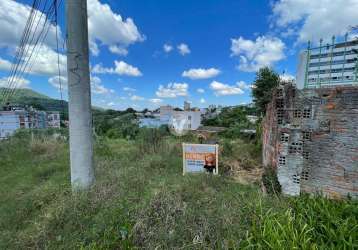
16 118
328 65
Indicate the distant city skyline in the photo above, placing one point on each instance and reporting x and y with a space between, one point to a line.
144 54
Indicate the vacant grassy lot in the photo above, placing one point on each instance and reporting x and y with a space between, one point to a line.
141 200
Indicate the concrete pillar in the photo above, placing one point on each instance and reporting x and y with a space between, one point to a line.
79 93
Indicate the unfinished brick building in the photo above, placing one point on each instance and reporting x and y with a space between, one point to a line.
310 137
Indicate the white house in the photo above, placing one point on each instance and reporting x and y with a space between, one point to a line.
53 119
14 119
190 119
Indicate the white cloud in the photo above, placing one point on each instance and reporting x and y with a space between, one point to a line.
118 50
110 29
167 48
128 89
200 73
99 69
183 49
202 100
264 51
45 62
172 90
20 83
5 64
121 68
13 19
200 90
287 77
96 85
242 85
111 104
221 89
137 98
312 20
55 81
156 100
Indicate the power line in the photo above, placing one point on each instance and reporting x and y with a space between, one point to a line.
58 57
19 50
25 59
30 45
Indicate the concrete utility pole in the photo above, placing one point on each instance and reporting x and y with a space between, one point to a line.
79 93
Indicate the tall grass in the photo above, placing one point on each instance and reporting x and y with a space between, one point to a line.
308 223
141 200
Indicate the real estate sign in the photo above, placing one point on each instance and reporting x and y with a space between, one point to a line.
198 158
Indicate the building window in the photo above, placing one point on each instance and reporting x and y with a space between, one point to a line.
306 113
297 113
306 135
296 179
305 175
279 104
189 117
189 126
282 160
280 116
295 148
284 137
280 93
306 155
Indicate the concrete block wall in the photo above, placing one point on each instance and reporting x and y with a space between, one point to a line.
311 138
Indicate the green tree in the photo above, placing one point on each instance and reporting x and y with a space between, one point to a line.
266 80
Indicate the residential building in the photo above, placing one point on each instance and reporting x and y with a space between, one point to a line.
328 65
252 118
191 119
186 106
165 113
14 118
53 119
10 121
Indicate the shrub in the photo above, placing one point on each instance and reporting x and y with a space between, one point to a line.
270 181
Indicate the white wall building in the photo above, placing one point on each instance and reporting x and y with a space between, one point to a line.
53 119
328 65
166 113
192 118
12 120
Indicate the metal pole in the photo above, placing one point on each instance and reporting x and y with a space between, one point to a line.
331 60
344 56
307 63
319 62
79 93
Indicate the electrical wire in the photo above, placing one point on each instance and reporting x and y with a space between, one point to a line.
29 46
58 58
19 50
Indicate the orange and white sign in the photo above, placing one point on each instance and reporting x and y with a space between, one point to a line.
199 158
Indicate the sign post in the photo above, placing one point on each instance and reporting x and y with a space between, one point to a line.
200 158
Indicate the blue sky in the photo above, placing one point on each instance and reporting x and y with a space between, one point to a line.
146 53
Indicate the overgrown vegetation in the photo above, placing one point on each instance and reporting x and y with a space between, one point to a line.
141 200
234 119
266 80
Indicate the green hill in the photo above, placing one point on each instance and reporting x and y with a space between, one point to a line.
25 93
39 101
